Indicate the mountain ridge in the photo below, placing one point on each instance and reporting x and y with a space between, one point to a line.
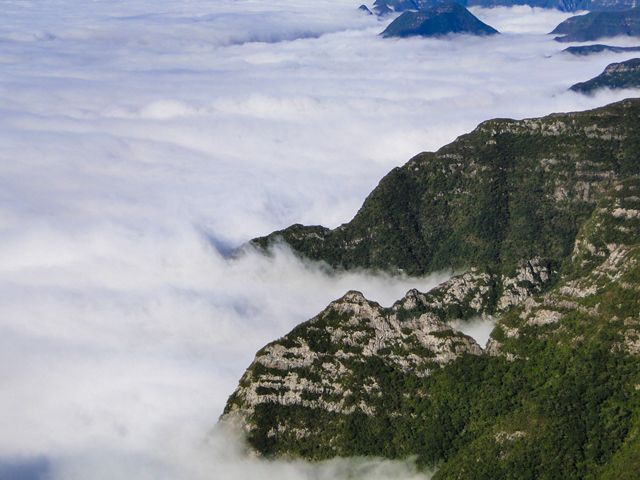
615 76
596 25
442 19
556 391
429 214
584 50
385 7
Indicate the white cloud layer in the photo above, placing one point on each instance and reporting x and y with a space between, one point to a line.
139 139
221 458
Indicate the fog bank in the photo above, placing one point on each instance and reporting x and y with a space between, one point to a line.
141 141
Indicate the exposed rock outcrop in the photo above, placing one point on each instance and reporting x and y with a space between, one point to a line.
616 76
385 7
584 50
596 25
331 364
505 193
443 19
555 393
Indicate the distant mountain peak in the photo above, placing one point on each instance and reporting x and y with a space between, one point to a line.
584 50
442 19
595 25
543 217
363 8
615 76
385 7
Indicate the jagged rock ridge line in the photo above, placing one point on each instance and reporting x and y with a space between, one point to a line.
412 337
507 192
556 394
385 7
615 76
595 25
443 19
585 50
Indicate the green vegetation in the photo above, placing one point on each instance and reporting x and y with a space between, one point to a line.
508 191
615 76
595 25
556 394
442 19
584 50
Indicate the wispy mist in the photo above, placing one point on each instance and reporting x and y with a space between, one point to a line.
477 328
221 456
140 141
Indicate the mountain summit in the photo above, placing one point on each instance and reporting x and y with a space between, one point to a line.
507 191
584 50
616 76
543 217
595 25
385 7
440 20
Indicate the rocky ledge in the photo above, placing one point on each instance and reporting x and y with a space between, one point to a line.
615 76
337 363
556 391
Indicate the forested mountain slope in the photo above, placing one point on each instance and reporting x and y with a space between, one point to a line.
544 216
506 192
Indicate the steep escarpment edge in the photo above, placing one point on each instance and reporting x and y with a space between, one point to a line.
543 215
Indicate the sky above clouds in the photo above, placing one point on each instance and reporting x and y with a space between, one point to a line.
141 141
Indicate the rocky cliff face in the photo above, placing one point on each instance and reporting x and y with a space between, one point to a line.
507 192
585 50
339 362
314 365
443 19
556 392
604 260
384 7
615 76
595 25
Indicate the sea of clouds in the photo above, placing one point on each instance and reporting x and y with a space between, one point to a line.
141 141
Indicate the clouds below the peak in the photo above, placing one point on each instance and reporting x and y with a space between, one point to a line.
160 126
138 139
114 342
